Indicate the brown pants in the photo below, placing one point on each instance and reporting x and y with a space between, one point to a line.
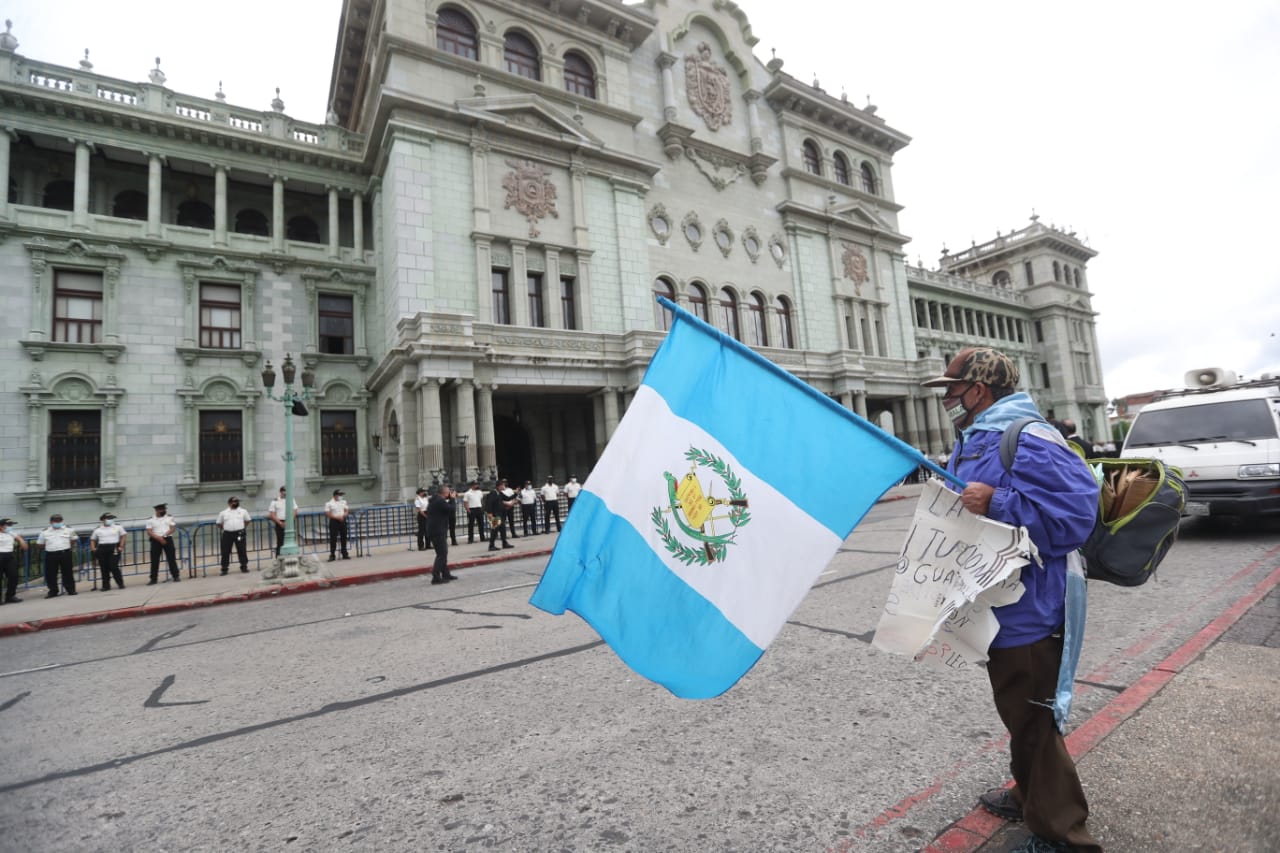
1046 784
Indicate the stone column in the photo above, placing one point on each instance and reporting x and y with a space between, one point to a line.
913 424
860 403
484 279
80 207
154 189
597 411
4 172
583 296
936 444
578 194
34 445
191 427
431 436
518 292
666 61
846 400
945 429
480 183
219 205
465 411
357 227
277 214
334 252
753 120
250 449
109 407
553 308
610 412
485 445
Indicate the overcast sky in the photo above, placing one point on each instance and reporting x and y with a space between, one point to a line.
1150 128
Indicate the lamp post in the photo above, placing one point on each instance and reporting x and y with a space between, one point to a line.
293 405
462 445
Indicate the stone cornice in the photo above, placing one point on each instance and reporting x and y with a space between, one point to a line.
788 95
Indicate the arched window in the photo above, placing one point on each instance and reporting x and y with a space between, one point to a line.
250 221
195 214
868 179
1001 279
302 228
661 316
728 313
812 162
841 166
786 331
130 204
520 56
579 78
759 324
456 34
59 195
698 301
1057 272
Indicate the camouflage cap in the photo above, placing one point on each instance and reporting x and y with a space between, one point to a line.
978 364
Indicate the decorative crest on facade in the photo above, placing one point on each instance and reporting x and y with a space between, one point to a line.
707 85
530 192
855 266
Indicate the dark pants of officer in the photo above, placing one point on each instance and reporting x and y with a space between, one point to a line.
9 574
109 564
529 517
553 511
338 536
170 556
475 517
453 529
509 521
279 537
234 537
423 542
56 562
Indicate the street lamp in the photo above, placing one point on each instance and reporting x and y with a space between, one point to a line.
293 405
462 445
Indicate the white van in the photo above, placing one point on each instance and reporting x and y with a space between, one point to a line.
1224 436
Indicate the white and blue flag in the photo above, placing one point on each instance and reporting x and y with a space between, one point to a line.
726 489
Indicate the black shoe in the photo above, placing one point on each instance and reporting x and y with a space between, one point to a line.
71 592
104 589
1001 803
493 547
176 578
449 576
507 545
223 572
332 558
50 595
120 585
152 582
13 599
244 569
435 581
346 556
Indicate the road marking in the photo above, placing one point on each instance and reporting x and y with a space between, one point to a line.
33 669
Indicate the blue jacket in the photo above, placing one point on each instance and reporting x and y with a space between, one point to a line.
1050 491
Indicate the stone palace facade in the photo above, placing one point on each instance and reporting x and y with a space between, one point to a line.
465 255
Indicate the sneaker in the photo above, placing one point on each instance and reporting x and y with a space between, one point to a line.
1036 844
1000 802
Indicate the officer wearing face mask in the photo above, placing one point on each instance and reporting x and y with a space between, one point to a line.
58 539
234 522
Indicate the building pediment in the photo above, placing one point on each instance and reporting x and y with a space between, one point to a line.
528 114
857 214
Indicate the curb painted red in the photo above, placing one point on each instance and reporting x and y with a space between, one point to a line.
978 827
74 619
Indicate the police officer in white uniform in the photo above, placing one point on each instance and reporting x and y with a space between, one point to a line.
10 542
551 504
160 529
58 539
108 545
277 512
571 490
233 520
420 512
337 511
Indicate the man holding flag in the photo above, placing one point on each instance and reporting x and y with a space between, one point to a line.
694 539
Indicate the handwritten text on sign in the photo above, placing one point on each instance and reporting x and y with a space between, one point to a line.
954 567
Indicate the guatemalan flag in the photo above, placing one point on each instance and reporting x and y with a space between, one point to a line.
722 495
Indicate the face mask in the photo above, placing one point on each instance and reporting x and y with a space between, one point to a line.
57 525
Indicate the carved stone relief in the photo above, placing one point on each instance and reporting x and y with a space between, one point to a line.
707 86
723 235
855 266
720 171
530 192
660 223
692 228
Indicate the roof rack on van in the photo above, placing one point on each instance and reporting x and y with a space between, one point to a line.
1268 379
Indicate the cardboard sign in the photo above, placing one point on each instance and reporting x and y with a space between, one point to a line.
954 567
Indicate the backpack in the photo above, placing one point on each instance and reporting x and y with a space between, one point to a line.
1131 537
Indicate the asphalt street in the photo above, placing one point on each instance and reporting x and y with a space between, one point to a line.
405 716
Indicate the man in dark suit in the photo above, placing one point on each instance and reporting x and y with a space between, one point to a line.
1086 448
440 510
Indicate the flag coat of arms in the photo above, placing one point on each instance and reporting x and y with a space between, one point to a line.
723 493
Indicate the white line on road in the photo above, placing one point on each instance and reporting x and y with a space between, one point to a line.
33 669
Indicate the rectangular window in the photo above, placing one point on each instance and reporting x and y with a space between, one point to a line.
77 307
1039 332
221 447
219 316
850 326
1026 270
1044 375
568 305
338 443
534 284
501 298
337 322
75 449
864 326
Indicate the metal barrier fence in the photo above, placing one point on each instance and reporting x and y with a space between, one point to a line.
198 546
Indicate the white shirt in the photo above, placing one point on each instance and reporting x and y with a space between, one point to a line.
233 520
57 539
336 508
420 504
107 534
528 495
473 498
551 492
277 506
7 541
572 488
161 525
